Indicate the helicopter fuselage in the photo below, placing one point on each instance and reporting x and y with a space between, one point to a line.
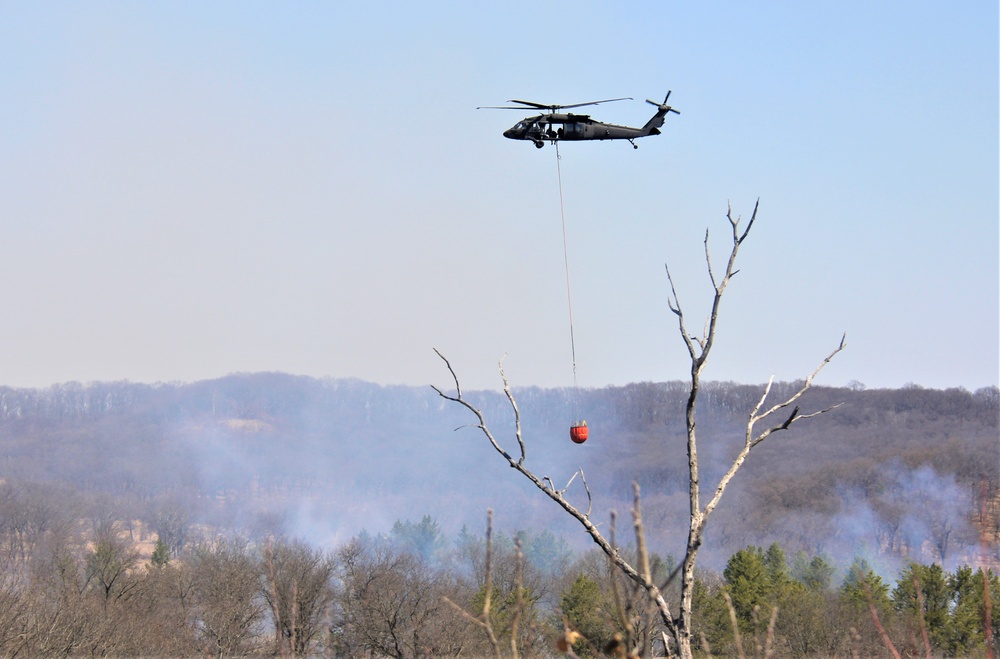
553 127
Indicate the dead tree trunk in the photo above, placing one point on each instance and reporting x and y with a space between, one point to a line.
699 348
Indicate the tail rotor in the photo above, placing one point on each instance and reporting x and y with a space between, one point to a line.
663 107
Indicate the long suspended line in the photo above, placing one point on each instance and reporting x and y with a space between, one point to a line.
569 295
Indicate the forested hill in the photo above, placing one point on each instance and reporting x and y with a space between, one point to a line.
902 472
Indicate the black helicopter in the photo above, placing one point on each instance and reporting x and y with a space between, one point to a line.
555 126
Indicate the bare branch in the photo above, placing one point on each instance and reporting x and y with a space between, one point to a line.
736 628
805 385
675 306
568 638
719 286
465 614
640 536
590 499
670 577
784 426
569 482
519 600
708 262
752 440
517 412
458 387
763 397
795 416
769 643
746 232
788 422
489 585
672 301
479 415
615 586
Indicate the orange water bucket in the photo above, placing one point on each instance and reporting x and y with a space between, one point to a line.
579 433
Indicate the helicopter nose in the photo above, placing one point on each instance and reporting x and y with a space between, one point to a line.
509 134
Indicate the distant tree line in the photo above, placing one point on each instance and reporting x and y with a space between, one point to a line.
909 468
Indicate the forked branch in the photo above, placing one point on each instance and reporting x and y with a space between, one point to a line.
751 439
705 341
457 398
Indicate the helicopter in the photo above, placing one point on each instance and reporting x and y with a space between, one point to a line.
555 126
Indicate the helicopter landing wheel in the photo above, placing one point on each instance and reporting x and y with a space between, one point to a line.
539 144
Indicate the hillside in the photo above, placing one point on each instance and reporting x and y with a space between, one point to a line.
890 473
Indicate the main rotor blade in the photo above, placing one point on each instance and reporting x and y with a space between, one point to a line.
505 107
554 107
540 106
607 100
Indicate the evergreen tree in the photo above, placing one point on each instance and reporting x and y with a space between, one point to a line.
711 619
861 583
548 553
161 555
815 573
968 614
423 539
748 584
777 568
931 603
587 610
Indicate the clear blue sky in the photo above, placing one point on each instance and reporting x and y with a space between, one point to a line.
193 189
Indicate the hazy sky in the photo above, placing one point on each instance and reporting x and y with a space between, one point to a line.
193 189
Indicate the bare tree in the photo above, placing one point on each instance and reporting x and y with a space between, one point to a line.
770 416
227 597
391 604
110 565
170 518
296 584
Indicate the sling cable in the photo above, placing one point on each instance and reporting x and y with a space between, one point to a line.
578 431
